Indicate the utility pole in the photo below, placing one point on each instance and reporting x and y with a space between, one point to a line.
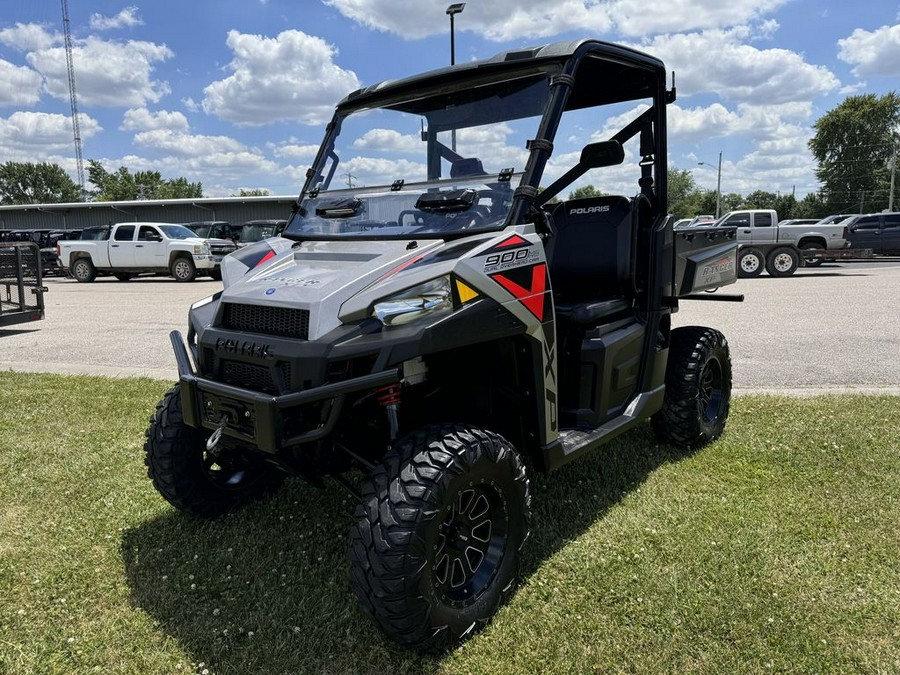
893 175
73 96
350 178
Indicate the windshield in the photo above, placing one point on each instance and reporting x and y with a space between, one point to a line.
177 232
257 232
432 166
200 230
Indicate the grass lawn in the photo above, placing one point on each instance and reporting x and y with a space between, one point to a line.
776 549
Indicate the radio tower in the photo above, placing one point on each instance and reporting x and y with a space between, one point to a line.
73 95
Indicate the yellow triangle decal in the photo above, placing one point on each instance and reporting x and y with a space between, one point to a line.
465 293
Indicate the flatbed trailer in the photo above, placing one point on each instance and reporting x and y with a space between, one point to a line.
21 283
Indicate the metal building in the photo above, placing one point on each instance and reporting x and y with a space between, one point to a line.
79 215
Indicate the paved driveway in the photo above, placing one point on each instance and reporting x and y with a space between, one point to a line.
836 327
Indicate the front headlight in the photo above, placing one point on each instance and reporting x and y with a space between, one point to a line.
201 249
414 303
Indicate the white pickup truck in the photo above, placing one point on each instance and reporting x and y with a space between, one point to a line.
136 248
779 248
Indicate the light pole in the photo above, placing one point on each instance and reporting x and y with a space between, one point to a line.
718 184
453 10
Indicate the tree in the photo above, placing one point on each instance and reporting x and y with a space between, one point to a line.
683 195
786 206
760 199
811 206
254 192
852 145
122 185
585 191
29 183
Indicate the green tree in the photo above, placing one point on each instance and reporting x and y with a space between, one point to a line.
254 192
786 206
29 183
852 145
585 191
122 185
760 199
682 194
812 206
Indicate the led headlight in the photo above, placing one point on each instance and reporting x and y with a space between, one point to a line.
415 303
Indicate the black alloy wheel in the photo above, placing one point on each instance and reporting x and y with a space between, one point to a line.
438 535
698 388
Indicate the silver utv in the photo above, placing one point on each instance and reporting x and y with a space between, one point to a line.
436 316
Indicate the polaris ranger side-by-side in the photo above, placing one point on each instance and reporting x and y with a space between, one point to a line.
447 328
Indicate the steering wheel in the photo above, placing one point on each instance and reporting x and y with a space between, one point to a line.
474 218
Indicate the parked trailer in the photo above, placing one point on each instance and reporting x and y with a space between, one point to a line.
21 283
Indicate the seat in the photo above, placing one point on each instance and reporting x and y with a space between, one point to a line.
466 166
590 258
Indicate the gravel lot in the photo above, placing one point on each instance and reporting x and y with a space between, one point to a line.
834 328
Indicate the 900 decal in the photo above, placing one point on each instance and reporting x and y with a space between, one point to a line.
509 256
507 259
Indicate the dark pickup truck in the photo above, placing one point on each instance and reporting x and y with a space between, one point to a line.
877 231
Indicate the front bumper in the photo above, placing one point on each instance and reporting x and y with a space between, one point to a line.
258 418
205 262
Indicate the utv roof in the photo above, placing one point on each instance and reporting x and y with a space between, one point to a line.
617 59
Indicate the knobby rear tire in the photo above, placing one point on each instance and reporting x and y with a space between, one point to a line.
698 388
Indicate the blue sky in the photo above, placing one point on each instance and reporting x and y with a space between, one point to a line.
236 94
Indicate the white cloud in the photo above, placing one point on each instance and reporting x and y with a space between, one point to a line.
633 17
378 171
388 140
716 62
28 37
296 151
872 52
128 17
756 123
221 173
18 85
289 77
141 119
505 20
107 73
188 145
26 136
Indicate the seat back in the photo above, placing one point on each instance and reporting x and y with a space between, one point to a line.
590 250
466 166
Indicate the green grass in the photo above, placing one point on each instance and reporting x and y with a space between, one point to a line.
774 549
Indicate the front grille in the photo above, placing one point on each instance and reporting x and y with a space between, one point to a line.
248 376
281 321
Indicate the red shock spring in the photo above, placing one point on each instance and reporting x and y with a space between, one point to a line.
389 395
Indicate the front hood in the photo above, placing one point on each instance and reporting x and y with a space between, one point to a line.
318 276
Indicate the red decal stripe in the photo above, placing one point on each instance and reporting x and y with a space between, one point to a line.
268 256
514 240
532 298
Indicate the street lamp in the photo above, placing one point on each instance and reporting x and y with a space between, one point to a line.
453 10
718 184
